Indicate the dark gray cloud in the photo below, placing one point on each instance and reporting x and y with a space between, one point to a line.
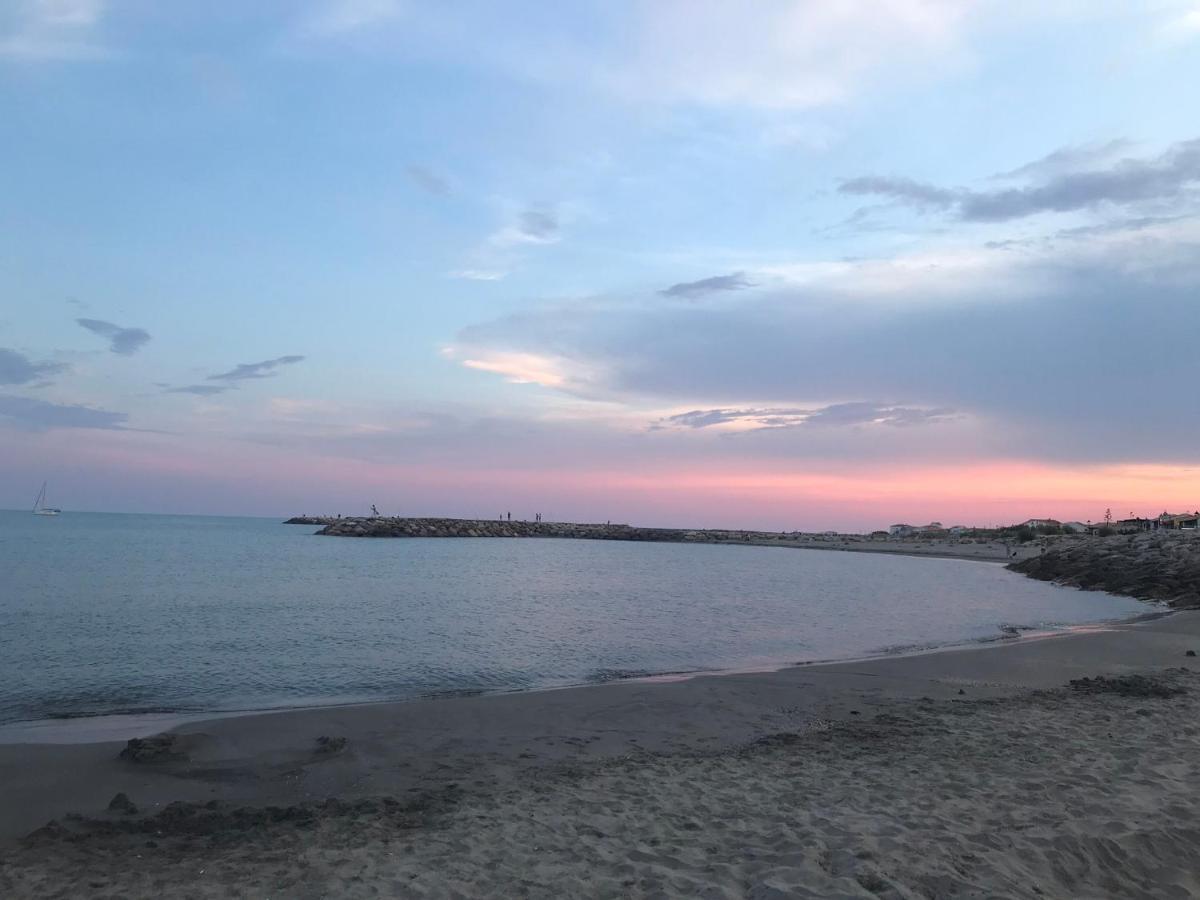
229 380
26 412
248 371
15 368
905 190
201 390
125 341
428 180
735 281
1167 176
538 224
834 415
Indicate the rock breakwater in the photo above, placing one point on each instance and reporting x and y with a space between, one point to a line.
430 527
1162 565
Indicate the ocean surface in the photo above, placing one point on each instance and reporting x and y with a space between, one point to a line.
128 614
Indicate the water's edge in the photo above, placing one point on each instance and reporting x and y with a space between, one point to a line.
120 725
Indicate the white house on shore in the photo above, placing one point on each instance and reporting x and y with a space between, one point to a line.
903 530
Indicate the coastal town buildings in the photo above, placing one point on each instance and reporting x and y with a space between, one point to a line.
930 530
1178 521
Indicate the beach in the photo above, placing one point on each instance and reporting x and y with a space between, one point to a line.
991 771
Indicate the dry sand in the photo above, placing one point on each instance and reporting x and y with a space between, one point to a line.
974 773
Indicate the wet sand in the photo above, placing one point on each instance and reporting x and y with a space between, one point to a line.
958 773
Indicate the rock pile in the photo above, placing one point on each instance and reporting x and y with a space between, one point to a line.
1162 565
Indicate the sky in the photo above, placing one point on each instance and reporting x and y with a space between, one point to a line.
795 264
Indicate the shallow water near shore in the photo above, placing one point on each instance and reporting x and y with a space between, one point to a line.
104 614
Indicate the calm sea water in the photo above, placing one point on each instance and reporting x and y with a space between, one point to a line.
104 614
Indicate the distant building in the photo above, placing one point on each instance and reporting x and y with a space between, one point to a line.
1133 526
1040 523
933 528
1074 528
1178 521
958 530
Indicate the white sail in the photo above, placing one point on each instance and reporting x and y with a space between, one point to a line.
39 505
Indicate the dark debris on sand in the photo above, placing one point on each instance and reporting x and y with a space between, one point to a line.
157 748
1146 686
327 745
218 824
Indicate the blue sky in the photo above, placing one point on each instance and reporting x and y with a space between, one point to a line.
467 220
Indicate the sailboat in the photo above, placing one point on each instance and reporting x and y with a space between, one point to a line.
39 505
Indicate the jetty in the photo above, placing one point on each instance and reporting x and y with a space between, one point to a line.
401 527
441 527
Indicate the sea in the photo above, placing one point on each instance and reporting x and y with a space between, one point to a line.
142 615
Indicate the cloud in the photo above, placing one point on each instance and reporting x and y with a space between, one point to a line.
791 54
479 274
1079 348
735 281
54 31
834 415
264 369
518 368
844 414
428 180
1064 188
903 189
1184 27
785 55
535 225
41 414
241 372
125 341
503 249
16 368
201 390
1070 159
337 17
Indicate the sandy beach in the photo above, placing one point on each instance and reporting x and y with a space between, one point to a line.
979 772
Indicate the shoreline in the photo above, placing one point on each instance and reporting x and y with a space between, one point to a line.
83 729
